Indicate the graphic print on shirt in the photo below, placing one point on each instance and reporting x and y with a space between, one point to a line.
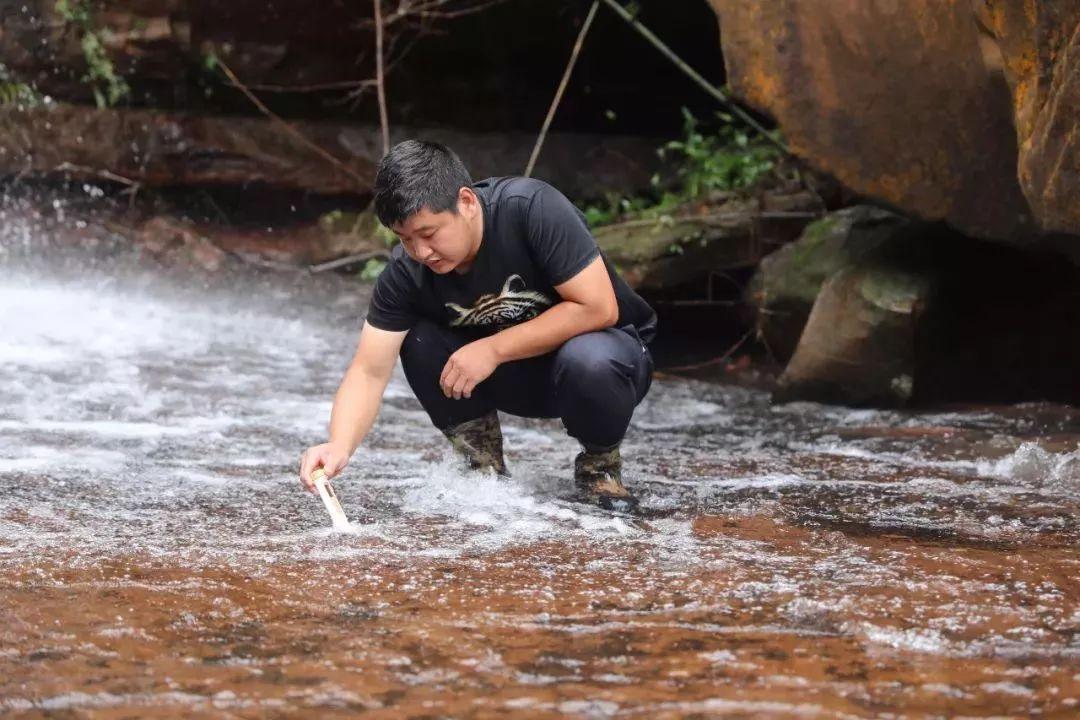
514 304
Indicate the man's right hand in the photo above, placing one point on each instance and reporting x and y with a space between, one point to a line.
331 458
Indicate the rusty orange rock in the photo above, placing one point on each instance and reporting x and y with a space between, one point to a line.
961 111
1040 47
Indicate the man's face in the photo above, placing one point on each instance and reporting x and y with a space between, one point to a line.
443 241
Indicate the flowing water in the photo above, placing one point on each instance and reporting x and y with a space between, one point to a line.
159 558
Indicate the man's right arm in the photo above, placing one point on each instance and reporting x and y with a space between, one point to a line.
356 403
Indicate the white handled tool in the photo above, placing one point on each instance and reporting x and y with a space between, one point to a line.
329 498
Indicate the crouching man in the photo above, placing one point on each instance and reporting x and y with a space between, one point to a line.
497 298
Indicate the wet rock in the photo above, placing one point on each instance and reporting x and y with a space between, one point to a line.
1039 45
176 149
333 236
930 316
175 242
788 281
156 148
901 100
859 344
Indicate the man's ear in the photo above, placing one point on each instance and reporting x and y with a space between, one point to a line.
468 203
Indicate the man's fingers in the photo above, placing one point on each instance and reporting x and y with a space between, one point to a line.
459 386
467 390
447 369
449 381
305 472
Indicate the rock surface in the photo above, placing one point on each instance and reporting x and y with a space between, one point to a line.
787 282
859 344
157 148
930 106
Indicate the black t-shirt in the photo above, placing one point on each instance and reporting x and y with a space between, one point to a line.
534 239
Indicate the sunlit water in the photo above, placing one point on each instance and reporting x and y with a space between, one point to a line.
159 557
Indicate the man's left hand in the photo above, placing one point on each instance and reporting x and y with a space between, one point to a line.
467 368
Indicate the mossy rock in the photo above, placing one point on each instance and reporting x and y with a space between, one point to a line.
858 347
789 280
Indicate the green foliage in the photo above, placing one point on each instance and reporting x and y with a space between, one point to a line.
616 206
109 88
388 237
372 269
16 93
731 158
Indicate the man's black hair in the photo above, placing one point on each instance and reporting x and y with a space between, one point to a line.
418 174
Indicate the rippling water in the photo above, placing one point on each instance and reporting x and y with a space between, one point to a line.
159 557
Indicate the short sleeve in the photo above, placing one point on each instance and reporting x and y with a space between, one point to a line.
559 238
392 299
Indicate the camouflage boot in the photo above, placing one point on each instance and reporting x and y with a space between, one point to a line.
598 477
480 442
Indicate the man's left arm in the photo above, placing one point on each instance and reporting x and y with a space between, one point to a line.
588 304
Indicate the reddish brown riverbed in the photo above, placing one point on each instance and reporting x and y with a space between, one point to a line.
552 630
159 560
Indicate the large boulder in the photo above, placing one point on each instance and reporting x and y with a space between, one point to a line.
930 316
907 101
859 344
787 282
1040 46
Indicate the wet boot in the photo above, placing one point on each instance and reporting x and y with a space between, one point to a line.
598 477
480 442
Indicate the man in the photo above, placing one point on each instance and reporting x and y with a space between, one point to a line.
497 298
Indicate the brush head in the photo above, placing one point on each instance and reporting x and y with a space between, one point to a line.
329 498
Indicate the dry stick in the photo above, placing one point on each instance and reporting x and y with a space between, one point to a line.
713 361
380 78
562 87
705 84
291 130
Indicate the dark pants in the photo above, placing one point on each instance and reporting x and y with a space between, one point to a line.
593 382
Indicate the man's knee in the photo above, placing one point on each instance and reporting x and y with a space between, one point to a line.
593 360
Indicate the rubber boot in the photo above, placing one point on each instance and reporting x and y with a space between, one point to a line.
598 477
480 442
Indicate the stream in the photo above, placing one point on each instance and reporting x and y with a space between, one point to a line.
159 558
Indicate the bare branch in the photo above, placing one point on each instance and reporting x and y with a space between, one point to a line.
562 87
320 87
380 77
288 128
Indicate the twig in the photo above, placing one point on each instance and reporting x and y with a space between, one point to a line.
253 259
380 77
695 76
349 260
713 361
106 174
319 87
289 128
427 10
562 87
